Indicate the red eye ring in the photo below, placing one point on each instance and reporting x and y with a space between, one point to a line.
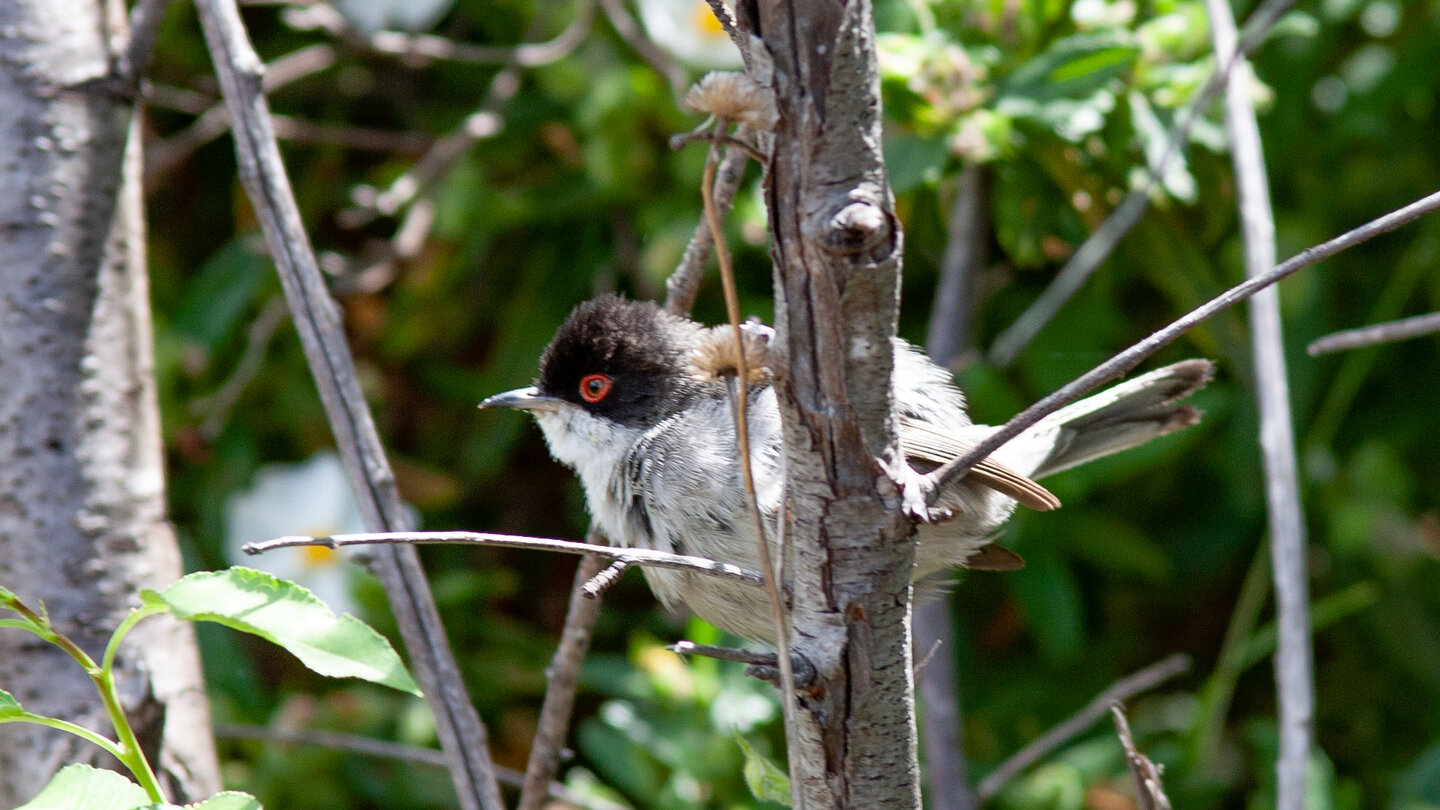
595 387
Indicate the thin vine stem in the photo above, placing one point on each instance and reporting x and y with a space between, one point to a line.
128 750
773 573
107 662
108 745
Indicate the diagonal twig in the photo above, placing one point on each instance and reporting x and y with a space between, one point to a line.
1123 689
484 122
1294 668
214 120
1149 790
1376 334
262 172
1100 244
684 284
629 30
1124 361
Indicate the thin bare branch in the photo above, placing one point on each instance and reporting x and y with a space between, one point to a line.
262 172
762 665
624 24
731 654
214 120
484 122
363 139
937 682
1100 244
607 577
562 680
216 407
1376 334
1294 668
1123 689
686 138
1124 361
633 556
965 247
684 284
356 744
1149 790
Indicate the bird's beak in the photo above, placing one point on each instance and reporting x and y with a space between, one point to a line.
523 399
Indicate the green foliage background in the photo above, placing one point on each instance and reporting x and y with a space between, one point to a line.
1062 103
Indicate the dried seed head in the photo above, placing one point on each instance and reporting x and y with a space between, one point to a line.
734 97
714 357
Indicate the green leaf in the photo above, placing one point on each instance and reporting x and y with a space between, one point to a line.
1073 67
1323 613
1418 784
280 611
82 787
1048 591
912 161
219 295
228 800
767 782
9 706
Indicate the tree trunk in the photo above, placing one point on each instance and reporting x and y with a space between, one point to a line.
82 497
836 249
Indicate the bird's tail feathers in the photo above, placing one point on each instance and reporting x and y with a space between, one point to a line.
1122 417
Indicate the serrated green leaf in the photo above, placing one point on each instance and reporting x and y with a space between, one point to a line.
767 782
9 706
82 787
228 800
287 614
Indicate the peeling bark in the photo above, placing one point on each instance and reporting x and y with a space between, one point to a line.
82 489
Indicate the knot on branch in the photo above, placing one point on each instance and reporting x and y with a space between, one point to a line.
860 226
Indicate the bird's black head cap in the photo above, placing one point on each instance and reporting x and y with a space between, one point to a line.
637 353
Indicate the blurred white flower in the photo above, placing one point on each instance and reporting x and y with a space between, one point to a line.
689 31
409 16
312 498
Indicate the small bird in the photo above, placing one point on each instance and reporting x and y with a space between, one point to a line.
625 400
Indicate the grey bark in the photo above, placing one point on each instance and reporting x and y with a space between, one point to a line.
82 489
836 249
1294 660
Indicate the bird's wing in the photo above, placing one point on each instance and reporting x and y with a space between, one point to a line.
994 558
927 448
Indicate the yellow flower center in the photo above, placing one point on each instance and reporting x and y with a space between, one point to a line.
705 22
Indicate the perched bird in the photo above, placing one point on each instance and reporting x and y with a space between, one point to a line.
623 399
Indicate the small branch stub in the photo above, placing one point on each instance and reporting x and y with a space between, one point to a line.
858 228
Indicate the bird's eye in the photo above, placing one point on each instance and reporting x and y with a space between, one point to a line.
595 387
